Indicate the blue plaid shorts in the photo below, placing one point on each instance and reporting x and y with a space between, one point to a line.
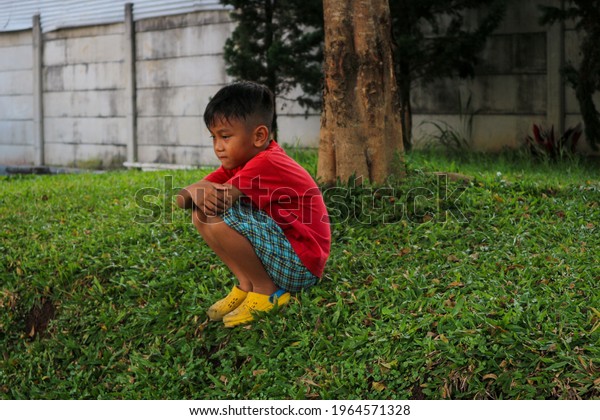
271 246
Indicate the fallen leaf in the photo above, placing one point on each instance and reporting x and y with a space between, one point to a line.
258 372
404 251
378 386
490 376
391 364
453 258
456 284
446 391
310 382
582 361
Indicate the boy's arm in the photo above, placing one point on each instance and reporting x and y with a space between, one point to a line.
210 197
185 196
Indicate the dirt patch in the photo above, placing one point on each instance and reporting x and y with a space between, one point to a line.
417 393
38 318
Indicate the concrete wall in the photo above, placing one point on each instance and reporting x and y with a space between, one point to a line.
295 126
518 83
572 112
16 97
88 83
83 99
137 91
179 66
508 94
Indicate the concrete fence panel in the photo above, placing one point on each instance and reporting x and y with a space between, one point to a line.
16 97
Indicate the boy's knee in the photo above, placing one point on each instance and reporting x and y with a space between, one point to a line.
208 225
199 219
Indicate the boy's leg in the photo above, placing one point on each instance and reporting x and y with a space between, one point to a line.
236 252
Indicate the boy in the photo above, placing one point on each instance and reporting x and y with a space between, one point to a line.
260 212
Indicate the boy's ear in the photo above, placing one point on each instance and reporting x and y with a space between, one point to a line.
261 135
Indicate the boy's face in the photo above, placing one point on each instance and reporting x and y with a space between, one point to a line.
235 142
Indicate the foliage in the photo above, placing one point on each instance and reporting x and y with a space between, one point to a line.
448 137
273 45
434 40
415 303
586 78
543 143
453 139
278 43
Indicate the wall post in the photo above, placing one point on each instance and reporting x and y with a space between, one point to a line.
38 93
130 85
555 53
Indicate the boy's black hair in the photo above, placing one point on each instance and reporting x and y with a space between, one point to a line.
243 101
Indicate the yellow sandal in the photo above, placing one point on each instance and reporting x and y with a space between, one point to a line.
255 302
229 303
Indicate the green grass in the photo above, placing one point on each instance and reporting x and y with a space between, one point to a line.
417 301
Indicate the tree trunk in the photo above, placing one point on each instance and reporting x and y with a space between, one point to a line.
361 132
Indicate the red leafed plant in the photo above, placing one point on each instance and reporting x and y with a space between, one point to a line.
544 143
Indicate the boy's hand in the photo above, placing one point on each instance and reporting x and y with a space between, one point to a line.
218 198
211 198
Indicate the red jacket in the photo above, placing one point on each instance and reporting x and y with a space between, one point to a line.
277 184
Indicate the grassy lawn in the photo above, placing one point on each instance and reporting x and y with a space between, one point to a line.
434 289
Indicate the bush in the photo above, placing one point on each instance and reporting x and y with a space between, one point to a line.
545 144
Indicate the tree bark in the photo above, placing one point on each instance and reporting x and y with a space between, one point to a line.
361 133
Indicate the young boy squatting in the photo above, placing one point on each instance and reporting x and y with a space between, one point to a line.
260 211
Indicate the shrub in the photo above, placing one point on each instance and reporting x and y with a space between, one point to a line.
545 144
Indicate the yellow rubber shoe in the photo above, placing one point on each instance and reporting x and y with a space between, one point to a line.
230 302
253 303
